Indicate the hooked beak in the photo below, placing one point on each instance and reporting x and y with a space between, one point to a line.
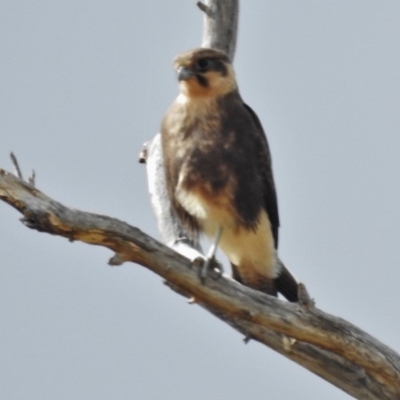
184 73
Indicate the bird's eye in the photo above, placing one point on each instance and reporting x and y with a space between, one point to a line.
203 64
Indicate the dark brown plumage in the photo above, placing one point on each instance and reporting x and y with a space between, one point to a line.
218 170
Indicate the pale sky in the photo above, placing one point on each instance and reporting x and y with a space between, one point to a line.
84 83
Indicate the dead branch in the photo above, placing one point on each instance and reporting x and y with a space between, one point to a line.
329 346
220 25
18 171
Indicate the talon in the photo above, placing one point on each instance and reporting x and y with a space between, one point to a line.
204 270
210 265
202 263
210 259
198 262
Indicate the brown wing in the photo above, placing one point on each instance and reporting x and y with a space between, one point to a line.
251 164
285 283
253 141
265 165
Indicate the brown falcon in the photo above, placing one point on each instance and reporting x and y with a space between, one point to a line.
218 171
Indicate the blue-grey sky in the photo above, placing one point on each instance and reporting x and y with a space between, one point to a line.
84 83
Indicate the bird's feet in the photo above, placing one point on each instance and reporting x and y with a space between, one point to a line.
208 267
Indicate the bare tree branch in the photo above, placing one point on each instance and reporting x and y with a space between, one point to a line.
17 168
326 345
220 25
18 171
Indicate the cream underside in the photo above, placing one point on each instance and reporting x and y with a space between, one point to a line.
252 251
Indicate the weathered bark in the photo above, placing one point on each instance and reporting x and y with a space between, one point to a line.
326 345
220 25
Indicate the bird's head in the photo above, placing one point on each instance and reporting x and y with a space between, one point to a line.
205 73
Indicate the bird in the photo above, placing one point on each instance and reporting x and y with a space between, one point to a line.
218 171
